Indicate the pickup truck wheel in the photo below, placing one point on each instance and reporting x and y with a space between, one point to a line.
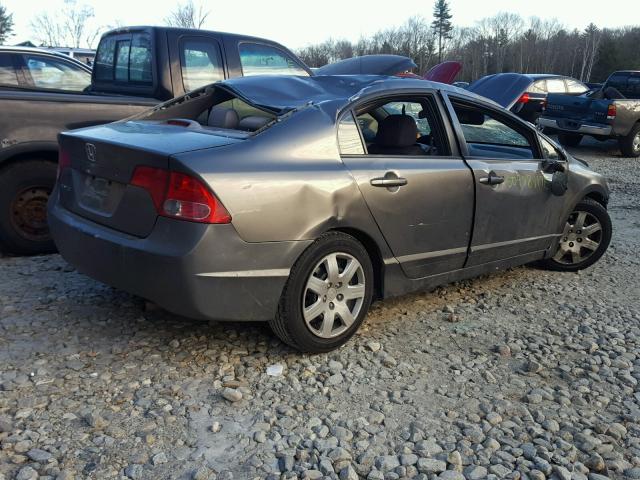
630 145
584 240
327 295
24 191
569 139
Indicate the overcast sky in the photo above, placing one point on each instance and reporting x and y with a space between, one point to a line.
299 23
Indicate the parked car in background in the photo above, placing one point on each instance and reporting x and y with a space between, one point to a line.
525 94
611 112
43 93
283 213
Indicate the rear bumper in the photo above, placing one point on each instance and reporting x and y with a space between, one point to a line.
199 271
582 128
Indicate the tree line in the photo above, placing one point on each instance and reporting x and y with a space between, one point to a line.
505 42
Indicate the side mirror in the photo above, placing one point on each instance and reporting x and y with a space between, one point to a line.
559 183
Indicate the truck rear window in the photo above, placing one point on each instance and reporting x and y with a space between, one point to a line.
125 59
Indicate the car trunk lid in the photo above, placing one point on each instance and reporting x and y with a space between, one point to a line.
102 161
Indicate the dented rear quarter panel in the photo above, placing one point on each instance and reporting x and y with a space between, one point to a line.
287 183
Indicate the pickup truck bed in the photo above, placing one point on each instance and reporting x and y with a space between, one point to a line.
612 112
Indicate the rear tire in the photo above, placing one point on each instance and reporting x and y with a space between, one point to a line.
569 139
630 145
332 279
24 191
585 238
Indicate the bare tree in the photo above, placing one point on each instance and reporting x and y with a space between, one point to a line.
69 27
187 15
591 38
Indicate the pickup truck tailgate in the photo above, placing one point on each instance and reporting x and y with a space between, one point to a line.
577 108
103 160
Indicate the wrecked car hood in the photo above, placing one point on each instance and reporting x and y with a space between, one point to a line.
444 72
503 88
369 65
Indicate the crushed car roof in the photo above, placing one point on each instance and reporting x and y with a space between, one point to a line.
283 93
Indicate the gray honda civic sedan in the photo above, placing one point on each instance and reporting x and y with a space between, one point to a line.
298 201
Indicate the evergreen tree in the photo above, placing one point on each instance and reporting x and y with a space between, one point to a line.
6 24
441 24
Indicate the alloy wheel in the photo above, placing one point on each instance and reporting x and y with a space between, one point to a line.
333 295
581 238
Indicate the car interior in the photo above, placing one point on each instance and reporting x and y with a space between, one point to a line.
211 110
401 127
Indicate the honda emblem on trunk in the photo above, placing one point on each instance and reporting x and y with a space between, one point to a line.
90 149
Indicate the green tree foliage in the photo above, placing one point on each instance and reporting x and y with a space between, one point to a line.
6 24
442 25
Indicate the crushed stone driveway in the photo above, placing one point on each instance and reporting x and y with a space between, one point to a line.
520 374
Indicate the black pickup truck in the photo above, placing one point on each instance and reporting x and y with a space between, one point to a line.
42 94
612 111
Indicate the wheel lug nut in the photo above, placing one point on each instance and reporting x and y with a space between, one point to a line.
579 232
331 305
564 239
324 299
340 297
571 244
579 240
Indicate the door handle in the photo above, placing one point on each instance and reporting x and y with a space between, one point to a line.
389 182
492 179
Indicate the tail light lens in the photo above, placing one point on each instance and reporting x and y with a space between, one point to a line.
524 98
178 195
612 111
64 161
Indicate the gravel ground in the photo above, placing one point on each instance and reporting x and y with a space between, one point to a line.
521 374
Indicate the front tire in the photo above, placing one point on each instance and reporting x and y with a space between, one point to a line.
25 187
630 145
569 139
585 238
327 295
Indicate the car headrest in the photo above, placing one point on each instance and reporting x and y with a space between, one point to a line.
223 118
253 123
397 131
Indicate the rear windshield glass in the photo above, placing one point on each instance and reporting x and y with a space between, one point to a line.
125 59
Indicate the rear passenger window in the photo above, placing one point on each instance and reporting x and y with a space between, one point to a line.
618 81
633 90
488 136
259 59
52 73
140 59
555 85
349 137
201 63
539 87
8 74
576 87
125 59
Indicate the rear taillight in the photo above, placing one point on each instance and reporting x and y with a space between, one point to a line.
64 161
178 195
524 98
612 111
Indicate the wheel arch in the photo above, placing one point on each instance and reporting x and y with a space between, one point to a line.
598 196
374 252
34 152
